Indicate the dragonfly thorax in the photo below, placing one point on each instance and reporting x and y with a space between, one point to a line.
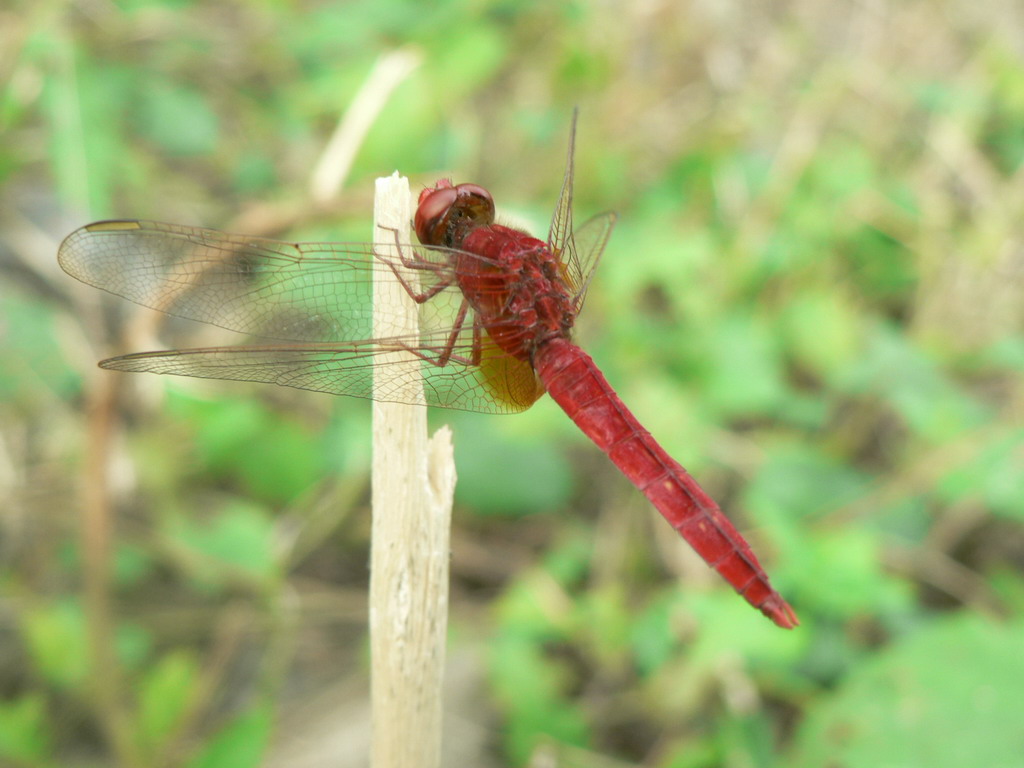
516 289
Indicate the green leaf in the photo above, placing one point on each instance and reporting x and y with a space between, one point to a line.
534 607
797 481
744 370
604 617
500 473
993 475
1007 352
83 103
840 574
653 640
56 638
57 644
822 332
237 542
241 744
531 690
729 625
131 564
165 693
914 386
842 169
25 733
275 458
569 561
134 644
32 367
947 696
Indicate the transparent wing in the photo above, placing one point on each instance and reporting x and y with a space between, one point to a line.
589 241
256 286
316 297
498 384
579 250
560 234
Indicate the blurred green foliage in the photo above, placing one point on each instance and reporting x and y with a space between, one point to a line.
813 298
904 690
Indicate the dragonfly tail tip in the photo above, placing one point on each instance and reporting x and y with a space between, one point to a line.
780 612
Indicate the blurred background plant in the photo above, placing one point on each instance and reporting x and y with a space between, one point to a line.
813 298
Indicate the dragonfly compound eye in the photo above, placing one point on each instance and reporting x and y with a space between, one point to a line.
447 214
432 214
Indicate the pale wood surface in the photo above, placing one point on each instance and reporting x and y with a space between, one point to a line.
413 481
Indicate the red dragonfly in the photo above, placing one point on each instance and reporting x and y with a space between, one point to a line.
496 311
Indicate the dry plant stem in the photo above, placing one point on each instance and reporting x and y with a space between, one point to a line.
413 480
97 533
387 74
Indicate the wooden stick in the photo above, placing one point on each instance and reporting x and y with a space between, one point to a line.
412 487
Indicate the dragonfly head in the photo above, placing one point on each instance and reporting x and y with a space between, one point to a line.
447 213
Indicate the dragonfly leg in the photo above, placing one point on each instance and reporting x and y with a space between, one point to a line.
460 320
446 354
420 264
478 346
